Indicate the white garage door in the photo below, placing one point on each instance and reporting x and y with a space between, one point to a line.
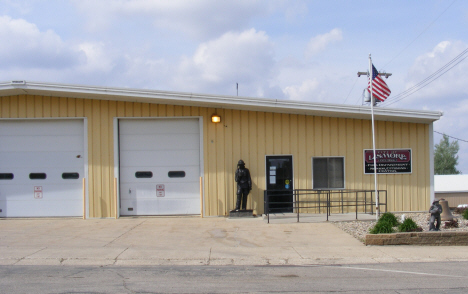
159 166
41 168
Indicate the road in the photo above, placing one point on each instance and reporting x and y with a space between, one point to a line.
440 277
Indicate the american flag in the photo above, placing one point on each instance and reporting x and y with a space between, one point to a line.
380 89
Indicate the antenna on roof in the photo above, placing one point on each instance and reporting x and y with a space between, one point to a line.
237 88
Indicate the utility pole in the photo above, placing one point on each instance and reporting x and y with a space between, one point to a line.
372 101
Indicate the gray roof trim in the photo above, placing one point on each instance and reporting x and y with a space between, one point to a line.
216 101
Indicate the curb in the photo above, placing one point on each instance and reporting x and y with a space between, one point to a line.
419 238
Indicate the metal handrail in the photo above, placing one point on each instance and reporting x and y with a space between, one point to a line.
301 203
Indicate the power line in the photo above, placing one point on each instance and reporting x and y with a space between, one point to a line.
351 90
466 141
437 74
429 77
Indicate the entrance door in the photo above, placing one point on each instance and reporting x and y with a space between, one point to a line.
279 169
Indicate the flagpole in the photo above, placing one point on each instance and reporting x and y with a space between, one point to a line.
377 211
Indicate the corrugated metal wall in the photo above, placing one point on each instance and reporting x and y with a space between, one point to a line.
246 135
453 199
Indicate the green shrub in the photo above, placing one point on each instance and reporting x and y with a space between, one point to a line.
382 227
465 214
390 218
408 225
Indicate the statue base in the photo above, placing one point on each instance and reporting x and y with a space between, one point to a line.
240 213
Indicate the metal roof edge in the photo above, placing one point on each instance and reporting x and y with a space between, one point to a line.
18 87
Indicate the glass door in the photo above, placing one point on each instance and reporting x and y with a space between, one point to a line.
279 177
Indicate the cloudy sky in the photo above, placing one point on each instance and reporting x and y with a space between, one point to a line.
299 50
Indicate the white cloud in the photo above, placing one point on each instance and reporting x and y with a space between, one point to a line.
25 46
199 19
305 91
246 58
319 43
97 58
449 85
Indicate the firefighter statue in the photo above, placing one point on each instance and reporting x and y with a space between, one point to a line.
244 185
435 211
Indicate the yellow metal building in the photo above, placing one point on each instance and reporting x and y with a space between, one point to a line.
250 129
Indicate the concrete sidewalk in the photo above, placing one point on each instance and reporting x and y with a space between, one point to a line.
197 241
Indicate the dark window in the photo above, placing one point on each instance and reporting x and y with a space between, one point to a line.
328 172
70 176
143 174
6 176
176 174
37 176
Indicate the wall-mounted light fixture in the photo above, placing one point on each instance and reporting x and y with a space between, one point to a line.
215 118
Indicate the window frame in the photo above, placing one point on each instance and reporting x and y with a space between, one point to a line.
329 157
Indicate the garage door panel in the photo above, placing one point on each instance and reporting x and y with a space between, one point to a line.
186 190
21 175
165 126
175 158
150 207
161 142
42 128
41 143
159 174
38 208
41 159
49 192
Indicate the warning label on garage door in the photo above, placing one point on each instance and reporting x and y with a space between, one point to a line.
37 192
160 190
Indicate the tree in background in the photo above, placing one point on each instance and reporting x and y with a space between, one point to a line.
445 157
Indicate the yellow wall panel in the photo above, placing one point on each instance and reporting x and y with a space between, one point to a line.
269 137
46 107
284 139
299 148
276 134
30 109
318 138
350 153
38 107
5 106
311 141
21 106
261 152
254 201
14 107
145 110
230 164
63 107
55 106
220 165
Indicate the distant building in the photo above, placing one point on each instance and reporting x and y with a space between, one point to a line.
453 188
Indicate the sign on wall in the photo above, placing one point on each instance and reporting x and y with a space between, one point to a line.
388 161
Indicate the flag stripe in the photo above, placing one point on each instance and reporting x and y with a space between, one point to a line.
380 90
